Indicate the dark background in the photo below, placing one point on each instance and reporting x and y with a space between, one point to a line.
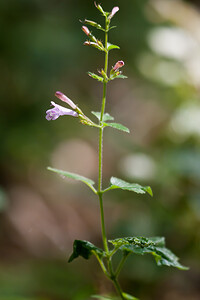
42 51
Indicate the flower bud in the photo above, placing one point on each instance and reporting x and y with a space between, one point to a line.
85 30
118 65
98 6
92 23
95 45
113 12
64 98
88 33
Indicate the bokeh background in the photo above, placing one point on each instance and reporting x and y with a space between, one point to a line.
40 213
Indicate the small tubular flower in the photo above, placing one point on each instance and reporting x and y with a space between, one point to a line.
118 65
64 98
85 30
113 12
57 111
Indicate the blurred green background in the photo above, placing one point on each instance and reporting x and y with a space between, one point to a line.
42 51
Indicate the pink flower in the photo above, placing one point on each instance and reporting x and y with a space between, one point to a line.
64 98
118 65
85 30
57 111
113 12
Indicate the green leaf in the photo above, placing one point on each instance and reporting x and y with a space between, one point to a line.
129 297
153 245
125 295
103 297
117 126
116 183
111 47
112 27
84 249
85 180
138 241
106 116
93 75
114 76
121 76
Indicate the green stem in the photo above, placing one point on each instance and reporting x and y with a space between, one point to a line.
121 264
101 264
105 243
118 288
111 274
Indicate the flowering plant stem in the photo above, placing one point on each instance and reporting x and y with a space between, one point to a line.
127 245
111 274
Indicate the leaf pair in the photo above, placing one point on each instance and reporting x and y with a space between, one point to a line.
115 183
135 245
108 117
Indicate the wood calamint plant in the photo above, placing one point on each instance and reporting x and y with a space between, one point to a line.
128 245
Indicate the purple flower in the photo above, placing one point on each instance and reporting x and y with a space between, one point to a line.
118 65
57 111
64 98
113 12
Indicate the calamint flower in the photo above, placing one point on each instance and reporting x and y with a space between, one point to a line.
113 12
64 98
86 30
118 65
57 111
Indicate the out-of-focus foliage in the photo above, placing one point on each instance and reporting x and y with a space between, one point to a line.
42 51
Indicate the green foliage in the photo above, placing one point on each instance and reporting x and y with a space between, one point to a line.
116 183
106 116
125 295
95 76
117 126
111 47
129 297
117 75
154 246
84 249
104 297
120 76
85 180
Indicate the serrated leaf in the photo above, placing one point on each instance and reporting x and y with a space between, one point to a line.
106 116
139 241
154 246
116 183
85 180
95 76
117 126
84 249
111 47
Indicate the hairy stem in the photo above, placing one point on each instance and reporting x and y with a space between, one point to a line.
111 275
105 243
